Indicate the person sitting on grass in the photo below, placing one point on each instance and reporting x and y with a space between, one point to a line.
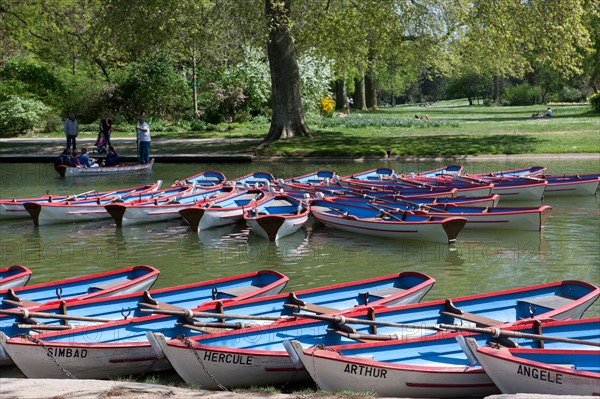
112 158
549 111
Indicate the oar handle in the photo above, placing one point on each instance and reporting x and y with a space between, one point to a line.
26 314
341 320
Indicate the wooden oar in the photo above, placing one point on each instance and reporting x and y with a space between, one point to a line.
496 332
25 314
190 313
339 319
386 212
70 197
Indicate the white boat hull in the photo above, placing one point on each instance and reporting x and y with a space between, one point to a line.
524 221
534 192
513 376
82 361
434 232
572 189
69 213
220 365
275 227
336 373
13 211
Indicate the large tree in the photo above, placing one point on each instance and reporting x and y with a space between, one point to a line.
287 116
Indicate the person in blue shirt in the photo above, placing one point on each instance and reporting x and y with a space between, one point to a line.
85 160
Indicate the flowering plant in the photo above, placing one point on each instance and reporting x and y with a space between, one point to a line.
326 106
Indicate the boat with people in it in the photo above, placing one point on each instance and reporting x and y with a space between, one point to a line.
79 171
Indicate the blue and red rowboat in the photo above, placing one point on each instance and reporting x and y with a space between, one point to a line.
208 178
261 358
277 217
122 348
449 170
223 211
125 214
81 211
318 177
95 311
254 180
436 366
371 175
550 371
518 188
523 172
76 171
14 276
522 218
571 185
115 282
13 208
371 221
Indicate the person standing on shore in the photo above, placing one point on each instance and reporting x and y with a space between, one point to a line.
143 137
106 128
71 131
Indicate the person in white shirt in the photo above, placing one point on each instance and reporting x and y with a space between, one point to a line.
143 136
549 112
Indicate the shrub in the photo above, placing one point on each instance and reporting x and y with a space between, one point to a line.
19 115
522 94
595 101
52 123
197 125
568 95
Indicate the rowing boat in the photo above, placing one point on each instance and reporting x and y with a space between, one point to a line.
14 276
115 282
277 217
544 370
369 221
436 366
122 348
521 172
254 180
318 177
13 208
125 214
76 171
80 211
261 358
207 178
83 315
514 218
571 185
222 211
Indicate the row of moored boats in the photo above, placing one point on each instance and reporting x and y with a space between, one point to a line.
432 205
373 335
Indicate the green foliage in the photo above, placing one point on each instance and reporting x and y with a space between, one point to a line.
568 95
84 96
19 115
152 86
595 101
197 125
522 94
315 79
28 78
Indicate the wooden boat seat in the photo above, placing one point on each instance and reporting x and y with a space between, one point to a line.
385 292
104 286
453 311
150 302
298 303
237 291
15 300
549 302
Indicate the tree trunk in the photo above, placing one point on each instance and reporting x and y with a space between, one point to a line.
341 98
287 116
359 94
194 85
371 92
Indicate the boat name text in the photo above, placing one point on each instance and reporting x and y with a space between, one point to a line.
228 358
365 370
542 375
67 352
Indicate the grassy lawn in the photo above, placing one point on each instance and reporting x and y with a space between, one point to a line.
454 128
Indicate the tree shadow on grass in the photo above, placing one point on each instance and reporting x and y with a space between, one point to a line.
336 144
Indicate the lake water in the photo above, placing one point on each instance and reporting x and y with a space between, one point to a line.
567 248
